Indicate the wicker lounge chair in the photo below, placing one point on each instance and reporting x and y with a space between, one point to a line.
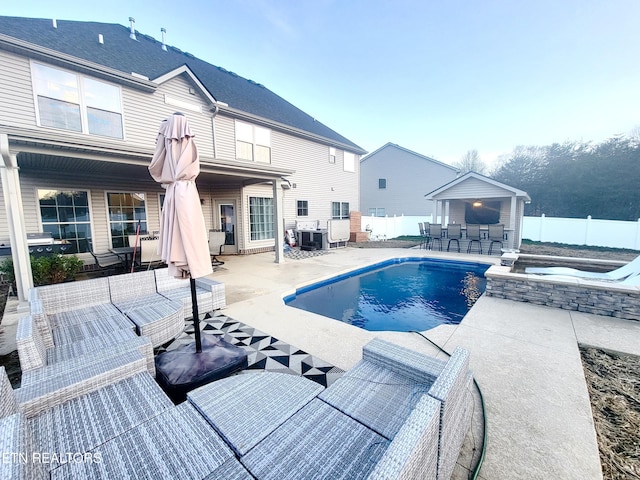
629 270
382 390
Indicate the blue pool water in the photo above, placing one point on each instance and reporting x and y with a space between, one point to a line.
398 295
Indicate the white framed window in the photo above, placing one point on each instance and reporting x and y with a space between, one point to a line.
73 102
303 208
349 162
125 211
253 143
332 155
339 210
261 218
376 212
382 183
65 214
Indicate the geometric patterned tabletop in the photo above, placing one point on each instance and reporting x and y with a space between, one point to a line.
264 352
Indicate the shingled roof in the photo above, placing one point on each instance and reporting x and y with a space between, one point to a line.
145 56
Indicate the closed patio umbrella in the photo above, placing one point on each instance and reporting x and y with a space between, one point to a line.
183 246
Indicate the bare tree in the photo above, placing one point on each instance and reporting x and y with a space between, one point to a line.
471 162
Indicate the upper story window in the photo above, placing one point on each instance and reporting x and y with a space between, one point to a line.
332 155
349 162
382 183
72 102
253 143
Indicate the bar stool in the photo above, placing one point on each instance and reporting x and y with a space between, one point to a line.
454 232
496 235
435 232
473 235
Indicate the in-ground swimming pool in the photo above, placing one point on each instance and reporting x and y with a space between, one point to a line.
401 295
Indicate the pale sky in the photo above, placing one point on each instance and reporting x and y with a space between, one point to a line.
436 77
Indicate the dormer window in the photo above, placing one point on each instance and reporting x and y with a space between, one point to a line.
73 102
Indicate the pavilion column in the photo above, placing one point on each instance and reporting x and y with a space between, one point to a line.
278 220
15 222
514 242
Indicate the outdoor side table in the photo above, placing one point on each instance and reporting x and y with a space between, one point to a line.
246 408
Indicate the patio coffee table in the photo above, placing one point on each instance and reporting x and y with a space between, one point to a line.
247 407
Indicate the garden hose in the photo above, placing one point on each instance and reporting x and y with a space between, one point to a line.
476 470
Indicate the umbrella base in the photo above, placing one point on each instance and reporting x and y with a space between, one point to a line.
181 370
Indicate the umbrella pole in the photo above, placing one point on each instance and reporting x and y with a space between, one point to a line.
196 317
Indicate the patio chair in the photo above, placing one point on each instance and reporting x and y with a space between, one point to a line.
216 245
496 235
474 236
631 269
454 233
108 263
435 233
149 257
424 234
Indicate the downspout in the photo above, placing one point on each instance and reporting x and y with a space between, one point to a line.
15 223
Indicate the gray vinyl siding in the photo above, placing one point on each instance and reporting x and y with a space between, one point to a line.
16 96
225 138
474 188
408 177
316 180
152 107
17 107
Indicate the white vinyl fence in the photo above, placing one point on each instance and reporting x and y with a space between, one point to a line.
573 231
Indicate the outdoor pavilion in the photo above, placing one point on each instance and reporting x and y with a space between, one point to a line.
472 198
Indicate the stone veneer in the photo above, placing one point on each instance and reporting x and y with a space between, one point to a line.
590 296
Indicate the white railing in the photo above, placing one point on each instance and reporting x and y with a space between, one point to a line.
574 231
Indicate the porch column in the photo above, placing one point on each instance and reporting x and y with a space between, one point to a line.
15 223
514 241
278 220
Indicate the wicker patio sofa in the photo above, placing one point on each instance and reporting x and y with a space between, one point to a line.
34 354
397 414
118 431
210 294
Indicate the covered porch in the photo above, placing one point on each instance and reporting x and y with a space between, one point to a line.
116 193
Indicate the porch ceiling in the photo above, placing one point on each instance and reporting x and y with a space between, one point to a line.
137 169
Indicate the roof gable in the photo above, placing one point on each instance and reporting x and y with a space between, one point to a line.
393 146
471 185
145 57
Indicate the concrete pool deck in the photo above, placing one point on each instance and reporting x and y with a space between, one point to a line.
525 357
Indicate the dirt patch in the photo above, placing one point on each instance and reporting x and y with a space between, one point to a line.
555 249
613 380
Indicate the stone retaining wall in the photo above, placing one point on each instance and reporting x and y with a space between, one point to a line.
579 295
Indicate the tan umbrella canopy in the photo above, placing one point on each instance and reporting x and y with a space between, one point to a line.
183 247
183 237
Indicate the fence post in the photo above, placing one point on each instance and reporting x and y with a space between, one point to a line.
636 243
541 228
587 230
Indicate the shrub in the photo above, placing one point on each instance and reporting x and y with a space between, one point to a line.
46 270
